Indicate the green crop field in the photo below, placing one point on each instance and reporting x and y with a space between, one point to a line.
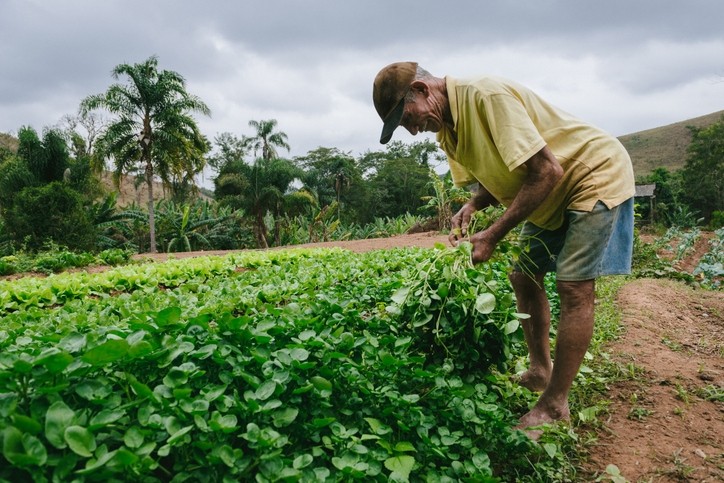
297 365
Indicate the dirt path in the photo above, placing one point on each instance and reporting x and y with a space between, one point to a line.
666 423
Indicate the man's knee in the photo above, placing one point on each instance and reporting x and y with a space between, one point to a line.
524 283
578 293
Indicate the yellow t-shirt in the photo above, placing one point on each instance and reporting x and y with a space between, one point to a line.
499 125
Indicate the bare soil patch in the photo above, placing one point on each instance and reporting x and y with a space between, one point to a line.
423 240
665 424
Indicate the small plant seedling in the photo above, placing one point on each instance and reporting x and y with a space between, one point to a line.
639 413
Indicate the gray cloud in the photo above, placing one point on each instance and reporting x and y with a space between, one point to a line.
309 64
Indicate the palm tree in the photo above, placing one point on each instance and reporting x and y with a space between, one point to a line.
266 139
261 188
153 130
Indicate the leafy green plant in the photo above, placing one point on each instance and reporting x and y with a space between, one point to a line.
711 264
463 315
259 364
639 413
612 474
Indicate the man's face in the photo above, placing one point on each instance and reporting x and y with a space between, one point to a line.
421 114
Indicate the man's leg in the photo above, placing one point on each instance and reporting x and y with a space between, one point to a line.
532 299
575 329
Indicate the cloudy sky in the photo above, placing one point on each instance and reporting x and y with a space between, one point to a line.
625 65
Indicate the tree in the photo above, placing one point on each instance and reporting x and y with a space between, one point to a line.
259 189
703 174
229 148
153 128
44 192
31 221
266 139
398 177
334 177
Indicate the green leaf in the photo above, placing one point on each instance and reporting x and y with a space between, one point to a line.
511 327
106 417
94 389
284 417
400 466
393 309
80 440
403 446
73 342
378 427
322 422
22 449
266 390
176 377
179 434
98 463
320 383
134 437
482 462
168 316
54 360
109 351
300 354
8 403
400 295
226 454
302 461
141 390
224 423
485 303
27 424
550 448
57 419
139 349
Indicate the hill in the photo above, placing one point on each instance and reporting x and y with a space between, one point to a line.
665 146
129 192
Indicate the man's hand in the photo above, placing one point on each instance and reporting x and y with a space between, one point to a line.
483 246
459 224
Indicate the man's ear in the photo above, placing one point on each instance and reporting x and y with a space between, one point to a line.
421 87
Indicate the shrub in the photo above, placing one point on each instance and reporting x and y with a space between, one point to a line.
51 213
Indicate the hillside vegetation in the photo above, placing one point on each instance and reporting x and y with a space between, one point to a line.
665 146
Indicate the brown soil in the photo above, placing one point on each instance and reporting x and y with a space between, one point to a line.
666 423
424 240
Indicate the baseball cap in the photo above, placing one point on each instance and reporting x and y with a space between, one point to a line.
388 94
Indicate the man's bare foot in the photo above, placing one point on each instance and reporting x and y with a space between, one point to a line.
542 414
534 380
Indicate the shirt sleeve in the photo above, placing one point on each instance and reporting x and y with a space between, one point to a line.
512 129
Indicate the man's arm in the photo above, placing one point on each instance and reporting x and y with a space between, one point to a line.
543 174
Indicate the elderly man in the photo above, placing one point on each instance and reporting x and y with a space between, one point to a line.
571 184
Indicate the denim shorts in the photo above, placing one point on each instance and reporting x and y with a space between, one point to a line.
590 244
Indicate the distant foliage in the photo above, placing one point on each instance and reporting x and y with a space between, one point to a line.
33 224
703 175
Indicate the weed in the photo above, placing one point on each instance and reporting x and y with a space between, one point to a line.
680 471
682 394
612 474
671 344
711 393
639 413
